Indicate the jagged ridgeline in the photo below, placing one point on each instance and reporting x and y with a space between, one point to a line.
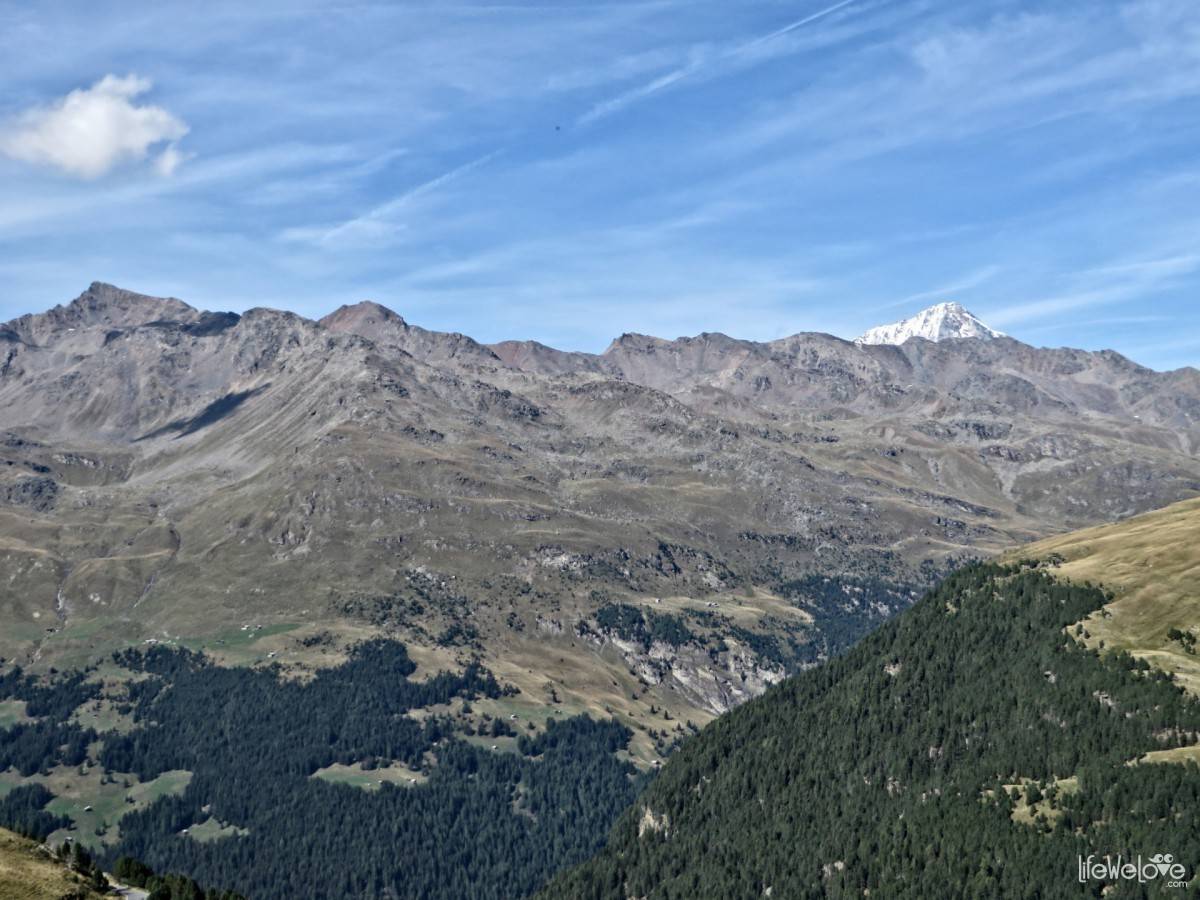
969 747
421 810
177 475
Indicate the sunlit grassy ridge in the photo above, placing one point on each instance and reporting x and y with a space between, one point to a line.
27 873
1152 565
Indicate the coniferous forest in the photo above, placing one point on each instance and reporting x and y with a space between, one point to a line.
968 748
483 824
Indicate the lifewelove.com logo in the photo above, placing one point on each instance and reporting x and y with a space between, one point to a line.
1161 867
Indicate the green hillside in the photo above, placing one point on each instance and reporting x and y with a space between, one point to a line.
362 781
970 747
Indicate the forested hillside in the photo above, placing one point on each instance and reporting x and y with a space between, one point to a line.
970 747
361 782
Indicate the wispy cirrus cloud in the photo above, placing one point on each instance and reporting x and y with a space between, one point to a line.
701 60
379 222
1102 286
945 81
949 290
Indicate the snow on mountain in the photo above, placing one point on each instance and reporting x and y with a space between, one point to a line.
945 321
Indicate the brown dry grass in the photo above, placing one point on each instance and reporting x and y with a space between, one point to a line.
1152 564
27 873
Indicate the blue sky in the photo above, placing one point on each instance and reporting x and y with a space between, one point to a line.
570 171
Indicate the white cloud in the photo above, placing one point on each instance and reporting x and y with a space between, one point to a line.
92 130
168 161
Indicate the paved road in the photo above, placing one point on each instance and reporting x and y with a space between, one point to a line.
131 892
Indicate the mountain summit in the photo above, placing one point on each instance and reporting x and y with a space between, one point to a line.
943 322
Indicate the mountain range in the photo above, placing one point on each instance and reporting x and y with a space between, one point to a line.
282 595
668 525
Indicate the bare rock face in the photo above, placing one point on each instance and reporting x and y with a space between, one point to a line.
383 327
101 306
171 473
535 357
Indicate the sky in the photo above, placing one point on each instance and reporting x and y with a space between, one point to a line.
567 172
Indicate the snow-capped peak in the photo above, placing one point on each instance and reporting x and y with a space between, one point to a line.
946 321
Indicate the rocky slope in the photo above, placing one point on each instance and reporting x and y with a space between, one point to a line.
173 474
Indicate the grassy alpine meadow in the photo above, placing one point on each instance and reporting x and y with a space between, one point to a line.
1151 565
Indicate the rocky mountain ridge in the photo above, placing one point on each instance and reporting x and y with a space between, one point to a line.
172 474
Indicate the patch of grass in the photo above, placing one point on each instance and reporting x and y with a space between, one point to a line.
31 632
504 744
103 716
1176 755
237 639
213 830
584 680
1025 813
87 628
172 782
12 712
75 790
114 676
745 608
369 779
86 638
